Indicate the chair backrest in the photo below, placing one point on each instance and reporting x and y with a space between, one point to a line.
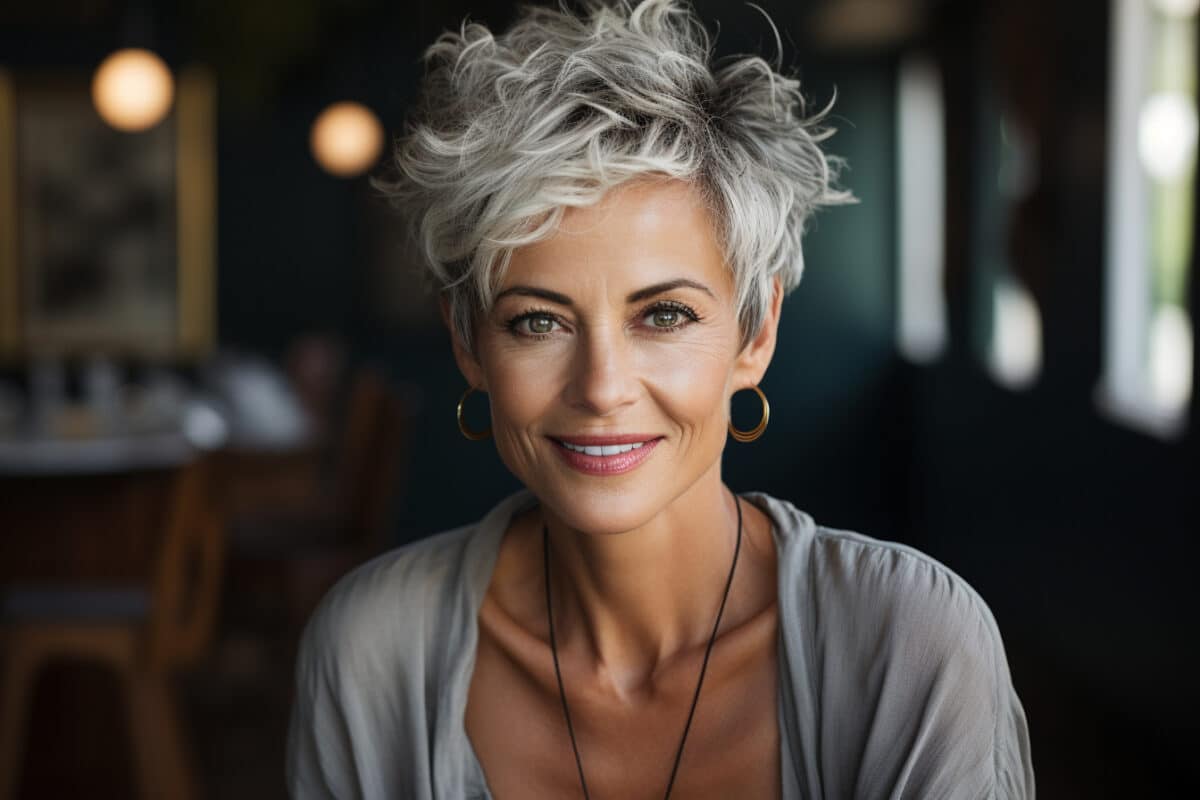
368 466
151 539
189 564
94 530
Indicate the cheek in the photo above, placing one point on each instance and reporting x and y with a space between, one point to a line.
518 400
523 387
689 380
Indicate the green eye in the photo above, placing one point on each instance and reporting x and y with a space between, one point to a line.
665 318
540 325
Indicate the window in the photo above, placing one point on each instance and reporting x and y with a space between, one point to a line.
1147 379
920 189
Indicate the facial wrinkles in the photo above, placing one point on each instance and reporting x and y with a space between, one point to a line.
686 377
614 375
607 369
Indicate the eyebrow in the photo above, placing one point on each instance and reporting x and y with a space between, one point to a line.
640 294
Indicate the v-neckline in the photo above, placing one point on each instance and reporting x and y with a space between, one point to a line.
484 551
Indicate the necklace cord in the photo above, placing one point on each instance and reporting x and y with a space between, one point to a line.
554 651
712 639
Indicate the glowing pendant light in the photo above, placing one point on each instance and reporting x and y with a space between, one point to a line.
133 89
347 139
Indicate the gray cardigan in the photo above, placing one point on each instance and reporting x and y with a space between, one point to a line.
893 681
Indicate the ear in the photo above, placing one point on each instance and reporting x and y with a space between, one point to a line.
755 357
468 363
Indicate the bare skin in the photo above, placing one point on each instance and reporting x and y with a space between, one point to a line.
624 322
628 735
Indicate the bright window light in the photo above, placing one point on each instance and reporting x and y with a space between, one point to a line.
1178 8
1171 358
1006 332
1015 358
1167 136
921 312
1153 127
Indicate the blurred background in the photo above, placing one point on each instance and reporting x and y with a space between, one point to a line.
222 385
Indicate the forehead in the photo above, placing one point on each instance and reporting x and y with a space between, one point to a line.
640 233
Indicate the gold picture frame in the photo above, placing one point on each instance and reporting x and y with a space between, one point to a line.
107 239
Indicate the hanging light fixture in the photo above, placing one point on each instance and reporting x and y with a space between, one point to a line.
133 89
346 139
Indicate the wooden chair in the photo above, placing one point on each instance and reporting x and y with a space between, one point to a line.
300 549
370 461
180 609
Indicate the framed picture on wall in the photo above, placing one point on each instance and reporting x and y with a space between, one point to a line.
107 238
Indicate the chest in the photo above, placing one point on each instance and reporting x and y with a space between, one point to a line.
517 728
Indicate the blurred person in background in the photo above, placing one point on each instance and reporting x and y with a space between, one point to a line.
613 218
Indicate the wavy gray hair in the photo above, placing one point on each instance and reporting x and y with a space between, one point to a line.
512 129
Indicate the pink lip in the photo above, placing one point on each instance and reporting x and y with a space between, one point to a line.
606 465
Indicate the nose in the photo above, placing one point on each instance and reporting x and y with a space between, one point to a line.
602 375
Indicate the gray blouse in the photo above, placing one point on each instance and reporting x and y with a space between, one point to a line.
893 681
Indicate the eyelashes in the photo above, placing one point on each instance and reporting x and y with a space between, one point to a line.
527 319
541 323
667 307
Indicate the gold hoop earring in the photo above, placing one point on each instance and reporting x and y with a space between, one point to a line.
474 436
757 430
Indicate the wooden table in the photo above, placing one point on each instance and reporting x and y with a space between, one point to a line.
84 510
28 454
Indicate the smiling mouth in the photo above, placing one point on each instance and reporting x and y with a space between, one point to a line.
605 455
601 450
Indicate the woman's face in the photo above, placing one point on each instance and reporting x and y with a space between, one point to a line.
617 332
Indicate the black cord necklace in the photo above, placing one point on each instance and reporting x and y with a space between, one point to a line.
703 667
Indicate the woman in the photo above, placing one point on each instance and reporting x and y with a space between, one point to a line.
613 222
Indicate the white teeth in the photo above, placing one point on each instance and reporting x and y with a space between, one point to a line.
602 450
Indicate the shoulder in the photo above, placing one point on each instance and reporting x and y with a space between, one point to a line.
387 601
375 657
907 657
410 604
362 672
899 589
412 592
879 587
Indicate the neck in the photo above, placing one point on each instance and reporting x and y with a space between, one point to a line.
636 599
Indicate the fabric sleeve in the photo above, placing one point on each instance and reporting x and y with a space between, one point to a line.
1014 762
950 723
917 697
359 717
320 761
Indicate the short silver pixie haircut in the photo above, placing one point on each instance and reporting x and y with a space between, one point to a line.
512 129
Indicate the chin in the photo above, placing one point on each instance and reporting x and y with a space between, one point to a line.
624 505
